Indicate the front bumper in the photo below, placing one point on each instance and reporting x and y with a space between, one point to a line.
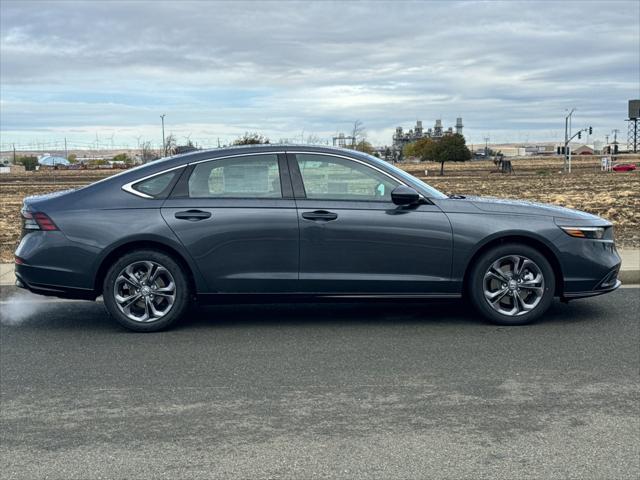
575 295
589 267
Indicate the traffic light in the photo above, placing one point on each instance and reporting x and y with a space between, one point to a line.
590 130
579 134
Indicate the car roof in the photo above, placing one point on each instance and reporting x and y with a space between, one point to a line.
176 161
270 147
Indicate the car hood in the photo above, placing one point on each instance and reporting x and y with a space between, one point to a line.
520 207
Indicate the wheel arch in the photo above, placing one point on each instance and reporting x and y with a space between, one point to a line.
523 239
144 244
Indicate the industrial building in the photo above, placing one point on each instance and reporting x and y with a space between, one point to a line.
402 138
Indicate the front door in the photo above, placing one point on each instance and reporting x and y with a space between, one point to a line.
354 239
237 218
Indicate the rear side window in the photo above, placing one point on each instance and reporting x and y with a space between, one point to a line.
240 177
158 186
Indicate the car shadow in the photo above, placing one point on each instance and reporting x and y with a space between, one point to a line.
438 312
278 314
89 316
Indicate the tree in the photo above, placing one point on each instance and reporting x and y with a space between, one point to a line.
122 157
363 146
358 132
187 147
251 139
313 139
72 158
29 162
147 153
170 145
450 148
424 149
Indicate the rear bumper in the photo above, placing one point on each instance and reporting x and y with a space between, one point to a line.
23 280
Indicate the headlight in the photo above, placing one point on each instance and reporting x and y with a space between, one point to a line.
594 233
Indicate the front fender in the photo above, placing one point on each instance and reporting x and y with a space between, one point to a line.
473 232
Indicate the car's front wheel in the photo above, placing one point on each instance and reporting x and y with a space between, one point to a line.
512 284
146 291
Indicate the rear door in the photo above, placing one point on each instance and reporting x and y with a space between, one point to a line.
354 239
237 218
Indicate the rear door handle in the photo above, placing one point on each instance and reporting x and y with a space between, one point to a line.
320 215
193 215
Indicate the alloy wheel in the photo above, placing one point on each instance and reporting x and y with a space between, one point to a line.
144 291
513 285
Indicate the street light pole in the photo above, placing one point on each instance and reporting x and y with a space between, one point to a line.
164 146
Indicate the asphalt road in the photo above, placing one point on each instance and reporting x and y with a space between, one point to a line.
322 391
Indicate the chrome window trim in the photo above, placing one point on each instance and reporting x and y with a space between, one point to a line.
128 187
237 155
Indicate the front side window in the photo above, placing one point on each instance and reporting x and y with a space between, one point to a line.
240 177
335 178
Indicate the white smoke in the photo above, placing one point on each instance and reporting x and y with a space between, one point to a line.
20 307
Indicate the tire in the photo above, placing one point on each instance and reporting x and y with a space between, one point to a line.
142 305
512 284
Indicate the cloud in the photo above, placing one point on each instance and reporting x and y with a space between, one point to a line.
284 67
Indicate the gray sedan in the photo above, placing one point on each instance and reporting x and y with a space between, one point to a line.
298 222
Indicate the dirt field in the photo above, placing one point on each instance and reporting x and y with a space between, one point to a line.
615 196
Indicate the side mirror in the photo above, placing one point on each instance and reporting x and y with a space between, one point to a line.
403 195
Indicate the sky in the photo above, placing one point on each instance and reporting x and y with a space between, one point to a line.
102 72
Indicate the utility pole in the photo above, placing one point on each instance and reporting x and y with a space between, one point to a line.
569 146
66 152
486 147
567 139
14 153
615 142
164 146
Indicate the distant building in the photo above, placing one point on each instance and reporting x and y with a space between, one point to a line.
402 138
583 150
52 161
508 151
537 150
10 168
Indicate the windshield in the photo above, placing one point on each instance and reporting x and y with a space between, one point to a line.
425 188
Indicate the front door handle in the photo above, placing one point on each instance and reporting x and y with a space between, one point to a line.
192 215
320 215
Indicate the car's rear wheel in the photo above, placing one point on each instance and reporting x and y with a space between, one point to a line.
146 291
512 284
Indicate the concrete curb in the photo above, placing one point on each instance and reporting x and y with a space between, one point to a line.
629 277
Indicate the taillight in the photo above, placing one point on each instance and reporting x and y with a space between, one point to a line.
38 221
